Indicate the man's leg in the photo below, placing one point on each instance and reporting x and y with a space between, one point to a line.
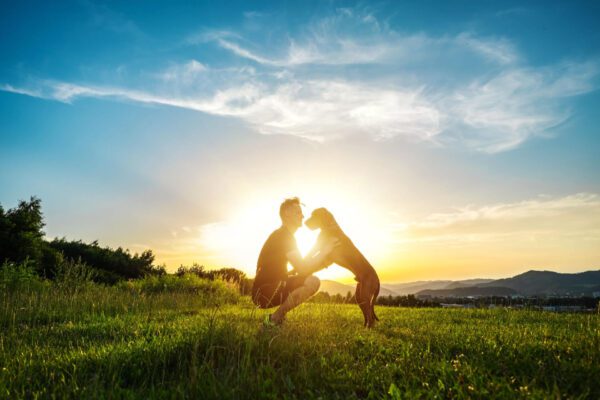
297 297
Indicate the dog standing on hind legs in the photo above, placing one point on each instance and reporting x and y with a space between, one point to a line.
348 256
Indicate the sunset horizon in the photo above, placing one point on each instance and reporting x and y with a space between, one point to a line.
449 143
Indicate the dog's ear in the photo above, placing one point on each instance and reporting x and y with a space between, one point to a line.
326 217
319 214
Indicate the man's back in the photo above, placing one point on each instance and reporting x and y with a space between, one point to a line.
272 262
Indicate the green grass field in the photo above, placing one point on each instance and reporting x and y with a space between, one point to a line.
103 342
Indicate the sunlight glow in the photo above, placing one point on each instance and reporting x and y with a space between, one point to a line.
237 241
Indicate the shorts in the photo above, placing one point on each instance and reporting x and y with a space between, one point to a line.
269 295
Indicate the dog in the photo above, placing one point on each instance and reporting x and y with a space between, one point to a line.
348 256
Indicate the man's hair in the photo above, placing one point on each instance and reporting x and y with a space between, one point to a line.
287 203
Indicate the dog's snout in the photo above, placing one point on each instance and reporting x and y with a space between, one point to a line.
310 223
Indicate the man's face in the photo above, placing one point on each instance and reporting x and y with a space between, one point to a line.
295 216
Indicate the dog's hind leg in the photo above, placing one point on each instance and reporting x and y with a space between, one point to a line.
370 291
363 303
373 301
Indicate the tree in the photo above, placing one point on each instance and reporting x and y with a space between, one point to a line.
21 235
112 265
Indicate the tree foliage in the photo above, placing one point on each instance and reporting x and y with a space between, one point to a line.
112 265
231 275
21 237
22 241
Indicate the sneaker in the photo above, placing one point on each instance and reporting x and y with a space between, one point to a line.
269 323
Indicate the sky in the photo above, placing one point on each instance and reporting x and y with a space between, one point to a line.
451 140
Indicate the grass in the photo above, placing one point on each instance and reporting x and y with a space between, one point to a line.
142 342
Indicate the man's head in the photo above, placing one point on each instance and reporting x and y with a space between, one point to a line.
290 212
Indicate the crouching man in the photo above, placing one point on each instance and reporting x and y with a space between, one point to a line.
273 286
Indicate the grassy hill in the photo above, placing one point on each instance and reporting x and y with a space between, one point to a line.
116 342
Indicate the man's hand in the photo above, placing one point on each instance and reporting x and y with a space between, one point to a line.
309 265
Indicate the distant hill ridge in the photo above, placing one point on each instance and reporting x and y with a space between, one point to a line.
549 282
470 291
527 284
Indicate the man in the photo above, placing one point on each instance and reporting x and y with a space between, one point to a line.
272 285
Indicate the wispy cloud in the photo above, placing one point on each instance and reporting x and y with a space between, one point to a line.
241 52
24 91
502 112
317 110
323 110
498 50
350 73
568 216
185 73
349 37
221 103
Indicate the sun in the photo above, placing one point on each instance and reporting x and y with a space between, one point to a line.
237 241
305 239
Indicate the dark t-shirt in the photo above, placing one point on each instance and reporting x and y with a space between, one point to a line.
272 262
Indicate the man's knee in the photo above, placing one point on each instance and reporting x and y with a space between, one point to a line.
313 283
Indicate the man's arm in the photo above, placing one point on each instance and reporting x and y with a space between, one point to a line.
311 263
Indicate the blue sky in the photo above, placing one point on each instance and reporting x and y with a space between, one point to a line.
452 139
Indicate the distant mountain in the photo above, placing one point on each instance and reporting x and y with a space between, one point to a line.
333 288
469 291
396 289
403 289
456 285
549 283
530 283
471 282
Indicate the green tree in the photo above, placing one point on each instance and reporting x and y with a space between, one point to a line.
111 265
21 235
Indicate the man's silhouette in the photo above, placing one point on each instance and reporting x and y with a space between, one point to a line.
272 285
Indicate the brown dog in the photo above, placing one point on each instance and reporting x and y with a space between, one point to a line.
348 256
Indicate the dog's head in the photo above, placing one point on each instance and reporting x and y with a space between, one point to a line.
319 219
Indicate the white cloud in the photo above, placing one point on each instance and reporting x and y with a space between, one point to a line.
352 74
577 214
239 51
349 37
223 102
185 73
502 112
24 91
498 50
322 110
317 110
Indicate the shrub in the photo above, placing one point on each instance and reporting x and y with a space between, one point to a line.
232 276
18 276
215 290
117 263
73 276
